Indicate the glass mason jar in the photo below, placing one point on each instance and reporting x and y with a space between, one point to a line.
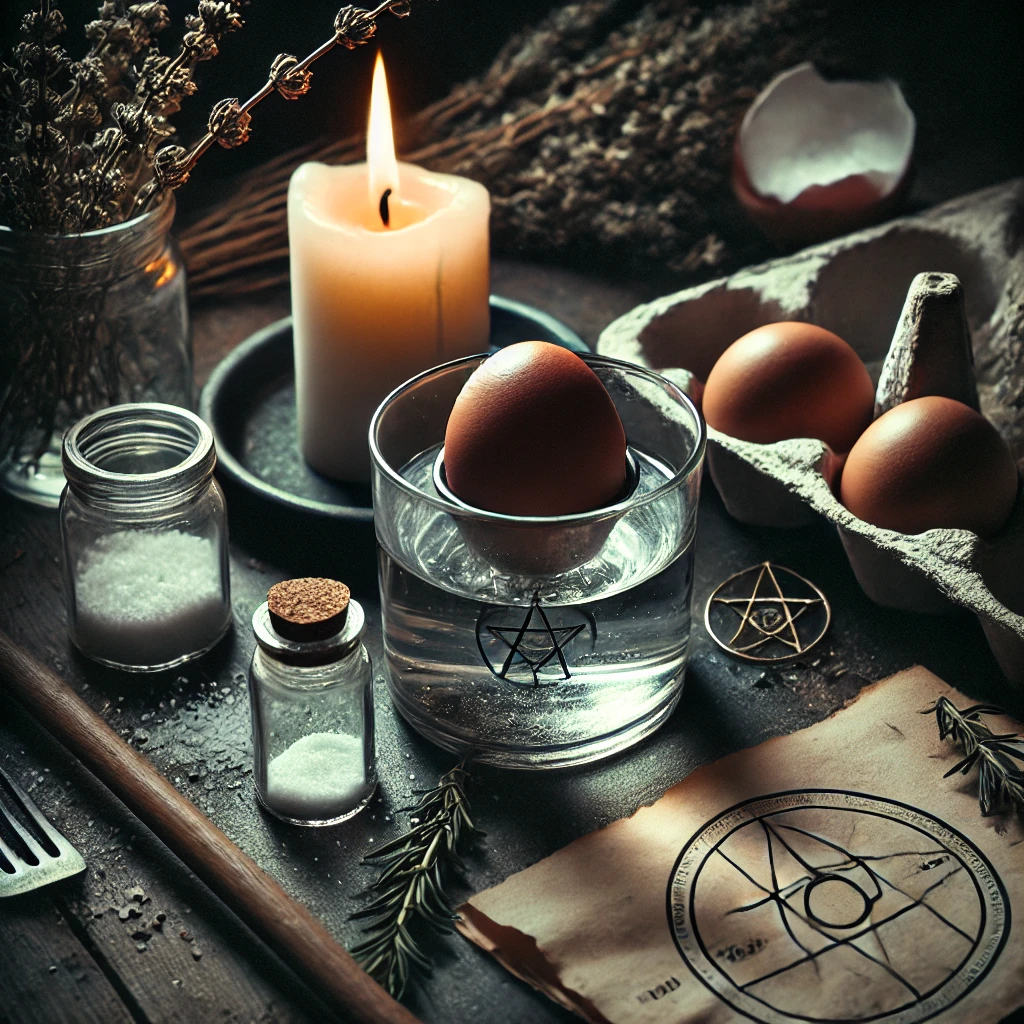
312 722
536 642
145 535
88 320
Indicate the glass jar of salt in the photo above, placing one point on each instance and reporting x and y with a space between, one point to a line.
144 526
311 694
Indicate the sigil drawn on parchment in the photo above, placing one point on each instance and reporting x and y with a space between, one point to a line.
827 906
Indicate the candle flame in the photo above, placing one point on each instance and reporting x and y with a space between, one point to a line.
380 140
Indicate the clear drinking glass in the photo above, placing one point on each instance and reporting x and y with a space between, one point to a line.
109 309
145 535
312 722
536 641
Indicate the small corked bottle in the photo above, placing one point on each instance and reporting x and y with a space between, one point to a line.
311 694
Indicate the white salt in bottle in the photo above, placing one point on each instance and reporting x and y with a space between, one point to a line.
144 527
311 695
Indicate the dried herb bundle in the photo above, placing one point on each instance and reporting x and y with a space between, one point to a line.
79 136
1000 777
84 145
411 886
81 141
601 133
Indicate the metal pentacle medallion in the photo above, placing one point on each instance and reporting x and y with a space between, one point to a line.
827 906
532 646
767 613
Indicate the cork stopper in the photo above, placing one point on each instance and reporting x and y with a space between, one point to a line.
308 609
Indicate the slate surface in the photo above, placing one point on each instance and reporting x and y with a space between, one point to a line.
194 725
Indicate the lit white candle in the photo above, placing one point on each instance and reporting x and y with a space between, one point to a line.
384 285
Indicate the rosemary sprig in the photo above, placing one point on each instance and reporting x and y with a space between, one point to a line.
1000 778
410 886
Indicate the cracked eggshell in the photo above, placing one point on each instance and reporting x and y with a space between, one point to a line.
814 159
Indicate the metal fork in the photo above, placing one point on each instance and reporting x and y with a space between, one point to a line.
28 861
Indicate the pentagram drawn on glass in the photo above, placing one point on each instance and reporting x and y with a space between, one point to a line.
531 646
828 906
767 613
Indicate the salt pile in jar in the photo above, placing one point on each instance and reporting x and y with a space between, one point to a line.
142 597
320 776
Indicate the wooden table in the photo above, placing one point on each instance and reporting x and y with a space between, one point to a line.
95 949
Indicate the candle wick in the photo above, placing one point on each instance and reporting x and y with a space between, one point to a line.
385 213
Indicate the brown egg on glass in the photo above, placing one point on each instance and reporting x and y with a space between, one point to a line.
929 463
534 432
790 379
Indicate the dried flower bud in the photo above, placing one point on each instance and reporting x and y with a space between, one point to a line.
36 108
44 28
90 75
119 31
353 27
164 87
95 30
44 140
170 167
84 113
229 123
114 184
39 27
154 67
153 15
290 82
132 120
40 61
220 16
201 43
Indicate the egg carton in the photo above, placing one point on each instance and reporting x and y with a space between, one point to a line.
909 297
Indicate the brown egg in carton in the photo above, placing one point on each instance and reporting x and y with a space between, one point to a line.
956 272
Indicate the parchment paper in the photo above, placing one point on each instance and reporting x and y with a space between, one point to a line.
830 875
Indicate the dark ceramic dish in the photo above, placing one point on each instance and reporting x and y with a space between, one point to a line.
249 403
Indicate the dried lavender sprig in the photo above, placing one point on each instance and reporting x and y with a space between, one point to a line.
165 81
1000 779
229 120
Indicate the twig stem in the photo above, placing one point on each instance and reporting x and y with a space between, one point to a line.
145 198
